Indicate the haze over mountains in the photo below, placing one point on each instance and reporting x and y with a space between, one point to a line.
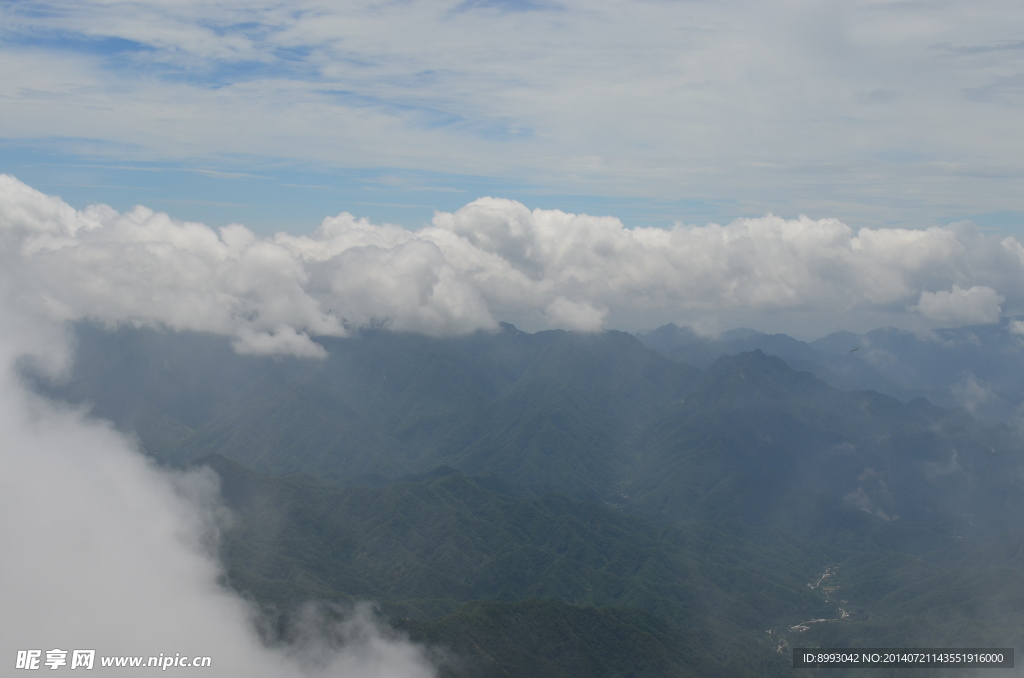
977 367
595 416
594 471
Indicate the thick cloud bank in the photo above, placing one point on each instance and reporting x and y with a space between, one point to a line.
491 260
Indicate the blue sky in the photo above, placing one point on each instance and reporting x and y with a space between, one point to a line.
276 114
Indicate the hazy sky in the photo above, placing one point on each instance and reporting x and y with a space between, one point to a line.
277 114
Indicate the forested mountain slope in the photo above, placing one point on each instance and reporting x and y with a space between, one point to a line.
523 499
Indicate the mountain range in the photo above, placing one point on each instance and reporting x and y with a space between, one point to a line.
979 368
680 494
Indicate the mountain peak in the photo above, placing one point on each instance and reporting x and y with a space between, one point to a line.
767 378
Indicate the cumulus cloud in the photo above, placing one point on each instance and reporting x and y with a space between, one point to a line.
104 551
491 260
579 316
975 306
283 340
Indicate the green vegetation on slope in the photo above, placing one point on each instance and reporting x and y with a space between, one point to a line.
623 505
422 548
556 640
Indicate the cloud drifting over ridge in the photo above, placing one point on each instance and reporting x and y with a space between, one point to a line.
977 305
491 260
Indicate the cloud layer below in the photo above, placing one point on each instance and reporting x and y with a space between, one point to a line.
492 260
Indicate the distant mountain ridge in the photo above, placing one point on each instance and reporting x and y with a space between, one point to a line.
593 416
757 441
980 368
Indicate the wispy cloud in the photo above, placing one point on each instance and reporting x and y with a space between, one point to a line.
1001 46
674 98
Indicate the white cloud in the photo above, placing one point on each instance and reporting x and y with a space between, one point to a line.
411 286
282 340
491 260
975 306
579 316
